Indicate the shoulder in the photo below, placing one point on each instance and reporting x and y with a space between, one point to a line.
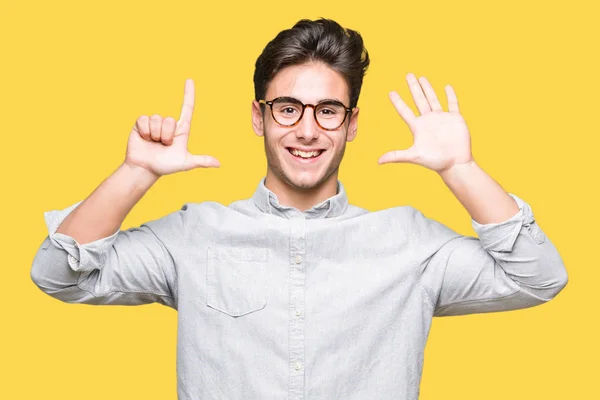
397 214
187 214
429 234
206 212
418 227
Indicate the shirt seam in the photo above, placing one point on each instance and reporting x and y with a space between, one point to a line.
121 290
172 260
114 289
429 301
482 300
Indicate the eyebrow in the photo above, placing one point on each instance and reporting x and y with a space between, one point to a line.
328 100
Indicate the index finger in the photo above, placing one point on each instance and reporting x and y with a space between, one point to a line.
187 109
405 112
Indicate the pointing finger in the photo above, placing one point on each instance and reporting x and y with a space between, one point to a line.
187 109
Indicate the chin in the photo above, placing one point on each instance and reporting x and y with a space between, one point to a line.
304 183
308 181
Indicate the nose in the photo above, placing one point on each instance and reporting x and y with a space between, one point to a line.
308 127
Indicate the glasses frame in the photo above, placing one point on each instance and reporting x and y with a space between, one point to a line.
304 106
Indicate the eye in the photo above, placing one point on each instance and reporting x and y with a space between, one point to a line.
330 111
288 110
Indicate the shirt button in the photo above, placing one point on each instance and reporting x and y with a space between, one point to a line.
297 366
298 259
297 313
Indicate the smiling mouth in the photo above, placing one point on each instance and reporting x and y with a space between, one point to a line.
307 155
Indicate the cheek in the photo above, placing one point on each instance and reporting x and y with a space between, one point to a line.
272 139
274 134
339 141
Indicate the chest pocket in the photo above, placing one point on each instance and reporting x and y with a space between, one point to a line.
236 280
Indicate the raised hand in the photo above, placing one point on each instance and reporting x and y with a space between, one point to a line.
160 145
441 139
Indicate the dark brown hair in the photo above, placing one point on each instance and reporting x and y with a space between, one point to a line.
321 40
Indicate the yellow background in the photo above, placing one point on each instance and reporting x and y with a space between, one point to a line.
76 75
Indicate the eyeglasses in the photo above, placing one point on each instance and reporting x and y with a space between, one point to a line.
287 111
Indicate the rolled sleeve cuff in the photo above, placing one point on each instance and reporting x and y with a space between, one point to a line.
501 236
81 257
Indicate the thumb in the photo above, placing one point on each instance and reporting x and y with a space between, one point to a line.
398 156
200 161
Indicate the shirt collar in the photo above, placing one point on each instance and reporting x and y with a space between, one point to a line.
267 202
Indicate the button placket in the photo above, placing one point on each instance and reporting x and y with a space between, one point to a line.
297 271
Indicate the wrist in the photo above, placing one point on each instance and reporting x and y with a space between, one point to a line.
142 177
458 170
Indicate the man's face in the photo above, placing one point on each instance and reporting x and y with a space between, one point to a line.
309 83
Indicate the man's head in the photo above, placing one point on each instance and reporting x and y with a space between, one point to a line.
313 62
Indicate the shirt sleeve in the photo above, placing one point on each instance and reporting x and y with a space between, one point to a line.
129 267
512 265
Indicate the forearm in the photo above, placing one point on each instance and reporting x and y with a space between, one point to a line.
483 198
103 211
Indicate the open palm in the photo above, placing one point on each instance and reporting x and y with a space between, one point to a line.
441 139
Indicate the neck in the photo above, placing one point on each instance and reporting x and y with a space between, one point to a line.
300 198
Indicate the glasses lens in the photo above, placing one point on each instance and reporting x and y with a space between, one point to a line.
286 111
331 115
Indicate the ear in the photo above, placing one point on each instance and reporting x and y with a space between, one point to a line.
257 118
353 125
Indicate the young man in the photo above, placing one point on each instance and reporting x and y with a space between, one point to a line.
294 293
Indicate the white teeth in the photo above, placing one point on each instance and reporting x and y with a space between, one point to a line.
305 154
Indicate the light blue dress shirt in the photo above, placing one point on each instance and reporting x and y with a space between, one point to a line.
335 302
